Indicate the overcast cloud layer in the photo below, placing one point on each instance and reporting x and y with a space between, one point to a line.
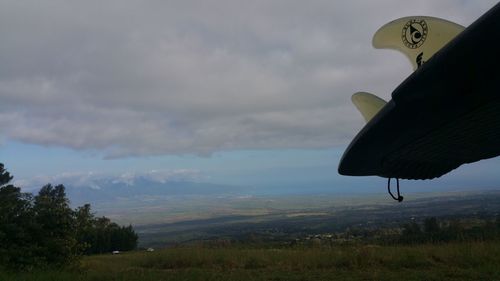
135 78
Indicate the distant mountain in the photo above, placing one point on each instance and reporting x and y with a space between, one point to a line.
153 185
105 190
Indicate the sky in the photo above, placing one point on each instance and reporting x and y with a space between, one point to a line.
225 91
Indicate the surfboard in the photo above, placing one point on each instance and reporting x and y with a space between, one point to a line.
445 114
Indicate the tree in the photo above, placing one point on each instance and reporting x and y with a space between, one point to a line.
57 233
45 231
411 233
16 225
432 230
431 225
106 236
411 229
84 225
5 176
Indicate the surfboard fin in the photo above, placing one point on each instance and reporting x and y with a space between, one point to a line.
368 104
419 38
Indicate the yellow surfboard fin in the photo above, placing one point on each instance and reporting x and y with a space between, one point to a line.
419 38
368 104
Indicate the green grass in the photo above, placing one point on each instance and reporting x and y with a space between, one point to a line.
454 261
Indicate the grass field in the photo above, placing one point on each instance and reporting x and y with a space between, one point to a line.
454 261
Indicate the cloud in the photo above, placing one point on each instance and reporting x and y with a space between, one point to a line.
159 176
131 78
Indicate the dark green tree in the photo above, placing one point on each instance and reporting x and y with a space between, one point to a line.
432 230
16 225
84 227
431 225
107 236
57 234
5 176
45 231
412 229
412 233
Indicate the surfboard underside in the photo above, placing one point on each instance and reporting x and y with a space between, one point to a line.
447 113
473 137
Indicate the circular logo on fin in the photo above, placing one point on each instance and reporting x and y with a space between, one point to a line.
414 33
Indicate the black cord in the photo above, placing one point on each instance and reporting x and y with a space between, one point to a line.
399 198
